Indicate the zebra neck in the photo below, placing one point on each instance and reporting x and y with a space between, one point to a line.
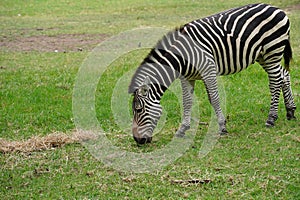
161 80
162 66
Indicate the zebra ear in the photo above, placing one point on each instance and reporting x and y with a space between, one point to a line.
144 88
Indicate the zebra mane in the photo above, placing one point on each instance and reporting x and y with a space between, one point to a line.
161 46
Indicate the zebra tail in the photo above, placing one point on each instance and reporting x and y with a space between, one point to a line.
287 55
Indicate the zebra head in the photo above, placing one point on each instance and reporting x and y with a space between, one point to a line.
146 113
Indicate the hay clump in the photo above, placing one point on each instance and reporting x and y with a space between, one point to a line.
38 143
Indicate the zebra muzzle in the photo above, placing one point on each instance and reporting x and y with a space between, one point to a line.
143 140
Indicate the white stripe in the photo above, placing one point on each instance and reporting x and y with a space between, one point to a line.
246 25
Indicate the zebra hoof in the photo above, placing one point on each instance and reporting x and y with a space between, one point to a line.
270 124
179 134
181 131
290 114
271 121
223 132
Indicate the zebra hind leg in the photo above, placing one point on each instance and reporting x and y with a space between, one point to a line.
275 85
187 98
288 96
280 80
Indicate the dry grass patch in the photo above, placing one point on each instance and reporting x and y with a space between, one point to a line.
38 143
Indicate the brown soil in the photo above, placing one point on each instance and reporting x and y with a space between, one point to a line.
59 43
292 8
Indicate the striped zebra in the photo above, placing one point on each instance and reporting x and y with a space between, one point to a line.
221 44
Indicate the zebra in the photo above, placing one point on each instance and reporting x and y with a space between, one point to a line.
221 44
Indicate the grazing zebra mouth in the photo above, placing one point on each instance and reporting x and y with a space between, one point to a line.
139 138
143 140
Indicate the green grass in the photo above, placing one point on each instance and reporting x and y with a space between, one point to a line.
36 93
253 162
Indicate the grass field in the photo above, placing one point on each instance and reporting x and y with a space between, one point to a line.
44 43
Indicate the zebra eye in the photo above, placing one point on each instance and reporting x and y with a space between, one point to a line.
143 92
138 106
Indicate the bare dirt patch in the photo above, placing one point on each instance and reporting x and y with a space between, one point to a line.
292 8
58 43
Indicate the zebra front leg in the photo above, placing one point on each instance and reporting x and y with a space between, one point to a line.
187 101
288 96
213 95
